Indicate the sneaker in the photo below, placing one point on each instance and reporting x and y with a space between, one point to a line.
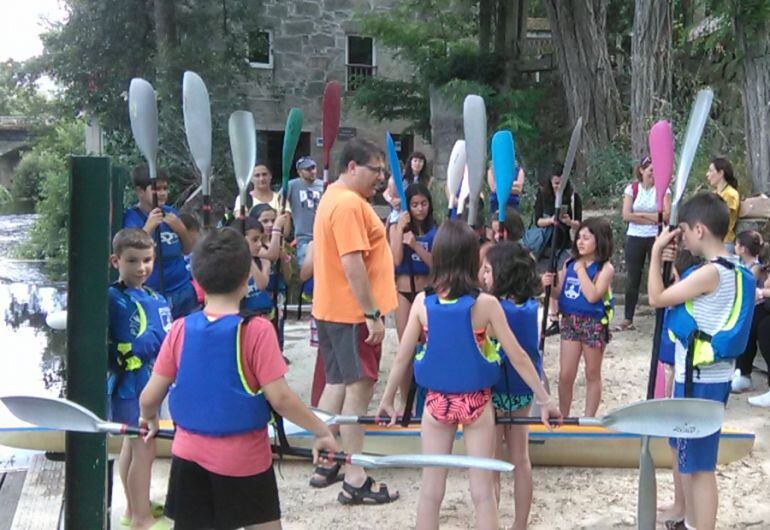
762 400
553 329
741 383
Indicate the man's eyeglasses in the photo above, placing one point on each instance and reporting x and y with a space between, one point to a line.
375 169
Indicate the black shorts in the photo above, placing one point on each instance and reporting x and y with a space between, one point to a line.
199 499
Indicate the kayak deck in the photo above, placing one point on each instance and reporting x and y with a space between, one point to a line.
566 446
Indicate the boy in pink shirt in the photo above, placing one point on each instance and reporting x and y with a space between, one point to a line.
224 374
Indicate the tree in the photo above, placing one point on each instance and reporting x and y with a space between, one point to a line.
578 30
651 69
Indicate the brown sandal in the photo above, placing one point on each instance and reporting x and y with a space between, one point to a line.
364 494
625 325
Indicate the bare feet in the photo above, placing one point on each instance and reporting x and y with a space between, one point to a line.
670 512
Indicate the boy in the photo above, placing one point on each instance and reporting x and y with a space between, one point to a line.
708 295
221 473
171 277
139 319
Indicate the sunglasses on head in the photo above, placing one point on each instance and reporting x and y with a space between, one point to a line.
645 163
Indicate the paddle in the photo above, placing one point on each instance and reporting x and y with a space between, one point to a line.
143 114
569 161
197 127
243 146
64 415
503 165
454 175
661 144
475 130
331 122
681 418
395 170
465 191
647 494
290 138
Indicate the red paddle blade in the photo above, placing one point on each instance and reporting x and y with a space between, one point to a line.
331 117
661 143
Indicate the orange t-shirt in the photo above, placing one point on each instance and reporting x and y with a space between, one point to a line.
346 223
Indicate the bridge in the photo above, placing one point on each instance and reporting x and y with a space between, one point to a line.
15 136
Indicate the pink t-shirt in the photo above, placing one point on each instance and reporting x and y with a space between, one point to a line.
239 455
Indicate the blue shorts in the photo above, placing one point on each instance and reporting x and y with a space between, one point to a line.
695 455
124 410
183 301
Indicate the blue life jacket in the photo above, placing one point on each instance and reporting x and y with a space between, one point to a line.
730 341
522 319
451 361
419 267
667 353
211 395
572 301
256 300
176 276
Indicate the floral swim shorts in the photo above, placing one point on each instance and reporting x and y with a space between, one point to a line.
588 330
452 409
505 402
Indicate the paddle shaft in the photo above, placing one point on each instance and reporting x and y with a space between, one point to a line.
206 209
159 248
552 269
500 420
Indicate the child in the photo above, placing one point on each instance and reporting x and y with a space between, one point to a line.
193 227
509 274
705 300
411 241
586 304
170 278
722 180
221 473
514 199
258 299
457 372
139 319
750 248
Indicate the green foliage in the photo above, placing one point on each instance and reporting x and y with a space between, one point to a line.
5 195
49 157
610 171
18 95
396 100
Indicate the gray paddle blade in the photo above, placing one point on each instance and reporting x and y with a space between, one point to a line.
52 413
143 113
197 125
475 130
453 461
676 418
569 160
695 126
647 501
243 145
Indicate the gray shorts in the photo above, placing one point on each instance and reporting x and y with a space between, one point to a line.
347 358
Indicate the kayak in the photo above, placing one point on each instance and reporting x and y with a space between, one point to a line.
565 446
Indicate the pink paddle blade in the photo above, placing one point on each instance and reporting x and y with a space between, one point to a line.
661 143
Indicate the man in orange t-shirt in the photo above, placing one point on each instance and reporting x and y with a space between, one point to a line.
354 288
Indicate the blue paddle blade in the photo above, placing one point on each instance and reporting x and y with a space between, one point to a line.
503 164
395 170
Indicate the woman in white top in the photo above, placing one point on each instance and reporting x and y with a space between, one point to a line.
640 211
261 192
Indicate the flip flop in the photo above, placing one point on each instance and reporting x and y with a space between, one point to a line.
624 326
156 509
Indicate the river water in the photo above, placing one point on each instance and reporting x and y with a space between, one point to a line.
31 354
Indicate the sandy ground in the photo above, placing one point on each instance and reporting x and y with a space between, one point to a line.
564 498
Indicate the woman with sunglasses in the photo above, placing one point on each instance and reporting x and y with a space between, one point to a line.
640 211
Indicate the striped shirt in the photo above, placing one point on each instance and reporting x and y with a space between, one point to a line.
711 312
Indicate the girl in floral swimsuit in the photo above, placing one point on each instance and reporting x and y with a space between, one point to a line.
456 372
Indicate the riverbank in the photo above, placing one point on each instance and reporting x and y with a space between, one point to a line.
565 498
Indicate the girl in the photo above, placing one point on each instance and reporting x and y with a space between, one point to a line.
411 241
514 199
458 371
509 274
720 177
586 305
416 171
258 299
753 254
640 211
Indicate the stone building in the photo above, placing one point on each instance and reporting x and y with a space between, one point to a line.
300 46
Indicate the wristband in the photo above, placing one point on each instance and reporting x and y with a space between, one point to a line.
544 403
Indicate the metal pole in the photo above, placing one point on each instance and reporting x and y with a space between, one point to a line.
89 242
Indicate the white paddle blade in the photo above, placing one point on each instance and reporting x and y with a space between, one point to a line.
695 126
143 113
676 418
453 461
569 160
243 145
52 413
475 130
197 125
57 320
454 171
465 191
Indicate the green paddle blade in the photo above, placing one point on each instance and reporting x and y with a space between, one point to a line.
197 125
243 146
290 140
143 113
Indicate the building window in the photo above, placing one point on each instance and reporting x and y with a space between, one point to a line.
261 49
360 60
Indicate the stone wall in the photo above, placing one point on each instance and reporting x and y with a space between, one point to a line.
309 49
